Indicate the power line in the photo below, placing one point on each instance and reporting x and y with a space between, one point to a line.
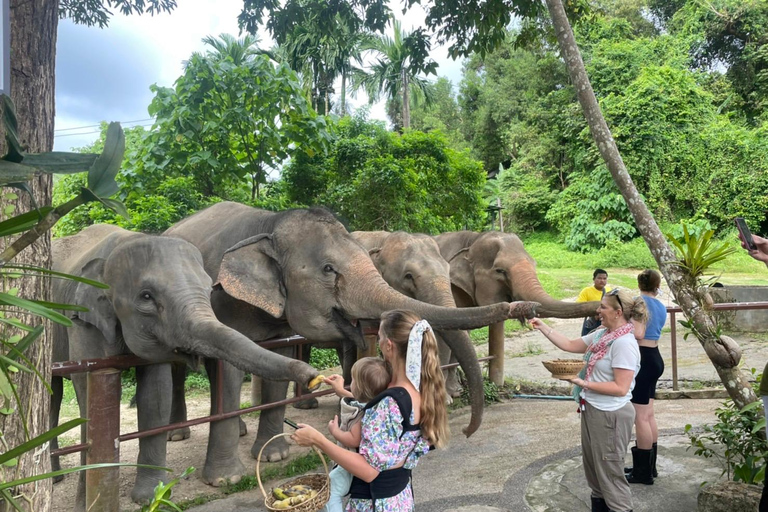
99 125
96 131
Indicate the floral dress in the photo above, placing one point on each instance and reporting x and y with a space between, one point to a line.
383 449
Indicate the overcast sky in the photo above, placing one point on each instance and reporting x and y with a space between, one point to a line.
105 74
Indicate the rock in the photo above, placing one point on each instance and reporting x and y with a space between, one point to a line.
729 497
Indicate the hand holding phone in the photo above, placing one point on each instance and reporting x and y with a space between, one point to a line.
291 423
745 233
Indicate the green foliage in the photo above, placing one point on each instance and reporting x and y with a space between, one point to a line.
161 500
375 179
98 12
322 358
737 440
490 390
196 381
698 251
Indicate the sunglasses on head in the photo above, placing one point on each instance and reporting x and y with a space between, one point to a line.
615 293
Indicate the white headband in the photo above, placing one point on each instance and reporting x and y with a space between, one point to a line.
413 356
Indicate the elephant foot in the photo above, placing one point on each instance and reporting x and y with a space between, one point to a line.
275 451
179 434
58 479
309 403
243 426
222 474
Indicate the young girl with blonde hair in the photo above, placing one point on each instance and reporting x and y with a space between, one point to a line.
399 425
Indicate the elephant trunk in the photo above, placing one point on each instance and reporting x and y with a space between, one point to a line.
371 301
210 338
461 347
526 286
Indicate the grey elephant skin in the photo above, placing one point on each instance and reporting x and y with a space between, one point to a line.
493 266
157 307
412 264
298 271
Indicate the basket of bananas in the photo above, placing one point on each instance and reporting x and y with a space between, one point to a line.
564 369
307 493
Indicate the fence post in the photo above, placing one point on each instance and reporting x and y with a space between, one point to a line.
102 486
496 349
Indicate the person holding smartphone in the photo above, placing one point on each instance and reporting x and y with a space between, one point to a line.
758 249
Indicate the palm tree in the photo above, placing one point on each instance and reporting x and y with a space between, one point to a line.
398 69
240 50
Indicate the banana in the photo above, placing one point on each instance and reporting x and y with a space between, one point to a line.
315 383
282 504
297 500
279 494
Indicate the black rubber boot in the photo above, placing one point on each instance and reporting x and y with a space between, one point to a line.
654 451
641 467
599 505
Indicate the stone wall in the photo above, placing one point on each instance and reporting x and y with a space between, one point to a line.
753 320
730 497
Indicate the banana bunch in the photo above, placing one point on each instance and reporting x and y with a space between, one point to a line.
292 496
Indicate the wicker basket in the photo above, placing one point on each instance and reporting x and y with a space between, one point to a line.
317 481
564 368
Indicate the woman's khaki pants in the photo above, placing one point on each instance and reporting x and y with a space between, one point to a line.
604 439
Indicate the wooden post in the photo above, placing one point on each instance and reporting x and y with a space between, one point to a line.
496 349
102 486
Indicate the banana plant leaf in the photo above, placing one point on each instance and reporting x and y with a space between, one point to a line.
40 440
11 131
11 172
23 222
61 162
35 309
41 270
101 175
64 307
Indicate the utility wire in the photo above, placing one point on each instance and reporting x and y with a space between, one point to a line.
97 131
98 125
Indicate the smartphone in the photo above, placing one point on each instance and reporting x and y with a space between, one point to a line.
291 423
746 234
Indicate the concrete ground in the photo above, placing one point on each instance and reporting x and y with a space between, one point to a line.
526 455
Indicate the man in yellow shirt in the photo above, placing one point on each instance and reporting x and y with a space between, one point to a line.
594 292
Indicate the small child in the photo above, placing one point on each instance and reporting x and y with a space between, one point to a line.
370 376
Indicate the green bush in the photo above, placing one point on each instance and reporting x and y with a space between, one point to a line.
322 358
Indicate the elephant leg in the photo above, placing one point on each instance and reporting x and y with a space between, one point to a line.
309 403
153 407
179 406
222 463
271 423
57 385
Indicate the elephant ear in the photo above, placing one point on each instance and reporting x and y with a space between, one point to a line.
249 272
462 272
101 313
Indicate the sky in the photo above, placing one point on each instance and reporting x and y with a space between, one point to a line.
105 74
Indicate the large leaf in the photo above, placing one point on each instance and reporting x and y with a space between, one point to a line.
26 341
23 222
41 270
11 131
60 162
101 176
40 440
117 206
65 307
52 474
11 172
35 309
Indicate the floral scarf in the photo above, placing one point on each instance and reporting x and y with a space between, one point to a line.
597 350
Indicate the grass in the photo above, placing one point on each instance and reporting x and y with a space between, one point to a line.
480 336
532 348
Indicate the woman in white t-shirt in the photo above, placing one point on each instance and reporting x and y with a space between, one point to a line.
603 390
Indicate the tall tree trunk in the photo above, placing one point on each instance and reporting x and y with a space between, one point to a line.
33 60
724 354
343 93
406 102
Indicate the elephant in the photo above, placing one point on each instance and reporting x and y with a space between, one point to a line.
494 266
412 264
299 271
157 307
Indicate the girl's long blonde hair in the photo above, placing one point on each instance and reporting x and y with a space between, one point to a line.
396 325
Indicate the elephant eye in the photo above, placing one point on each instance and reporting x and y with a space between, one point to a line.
328 268
501 271
145 295
408 275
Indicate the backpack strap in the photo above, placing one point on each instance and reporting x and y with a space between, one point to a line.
404 403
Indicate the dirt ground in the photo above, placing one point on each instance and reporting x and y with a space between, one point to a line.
524 353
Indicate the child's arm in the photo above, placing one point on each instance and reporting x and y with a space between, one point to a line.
349 439
337 383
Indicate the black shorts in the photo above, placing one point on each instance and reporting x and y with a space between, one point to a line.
651 368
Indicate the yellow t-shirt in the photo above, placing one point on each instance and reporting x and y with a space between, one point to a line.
591 293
